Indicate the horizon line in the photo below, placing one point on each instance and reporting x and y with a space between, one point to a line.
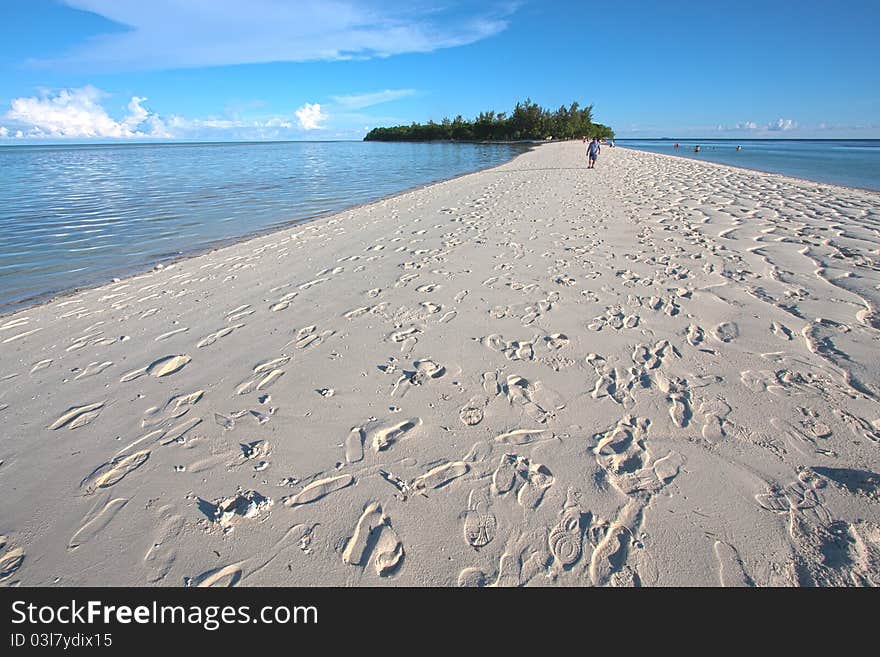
194 142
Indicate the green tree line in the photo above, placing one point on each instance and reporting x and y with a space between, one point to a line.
527 121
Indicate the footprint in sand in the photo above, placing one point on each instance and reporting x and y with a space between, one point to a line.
381 435
356 312
406 338
439 476
781 331
610 552
528 479
112 472
524 436
471 413
271 364
556 340
679 410
169 334
259 383
238 313
374 535
162 553
472 578
424 371
21 335
283 303
356 550
96 522
730 568
713 413
566 538
78 416
93 369
695 335
512 349
229 511
211 338
223 577
162 367
176 407
41 365
480 524
354 445
14 323
11 559
726 331
490 384
319 489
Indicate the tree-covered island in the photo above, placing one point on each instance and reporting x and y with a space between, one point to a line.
528 121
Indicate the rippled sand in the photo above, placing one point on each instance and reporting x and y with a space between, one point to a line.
660 372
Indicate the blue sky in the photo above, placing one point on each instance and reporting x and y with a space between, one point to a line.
307 69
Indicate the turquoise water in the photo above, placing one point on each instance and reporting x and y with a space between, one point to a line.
854 163
73 216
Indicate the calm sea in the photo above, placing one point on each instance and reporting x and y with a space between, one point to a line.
854 163
73 216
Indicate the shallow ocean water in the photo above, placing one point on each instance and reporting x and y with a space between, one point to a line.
78 215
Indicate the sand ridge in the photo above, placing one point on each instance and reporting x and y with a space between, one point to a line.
658 372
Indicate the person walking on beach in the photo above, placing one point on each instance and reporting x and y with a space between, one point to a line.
593 152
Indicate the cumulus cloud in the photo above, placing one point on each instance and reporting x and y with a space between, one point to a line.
359 101
137 114
87 113
78 113
183 34
758 128
310 116
782 124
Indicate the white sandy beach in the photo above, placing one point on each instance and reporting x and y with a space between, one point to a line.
661 372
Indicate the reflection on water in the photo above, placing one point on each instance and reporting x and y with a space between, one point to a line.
72 216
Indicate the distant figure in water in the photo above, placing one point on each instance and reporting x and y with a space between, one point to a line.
696 149
739 148
593 152
676 145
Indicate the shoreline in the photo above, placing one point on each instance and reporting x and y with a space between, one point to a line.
48 297
9 309
649 374
762 171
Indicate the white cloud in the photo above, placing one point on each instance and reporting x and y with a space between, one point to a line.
78 113
782 124
277 122
195 33
759 129
310 116
237 127
136 112
359 101
182 123
85 113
